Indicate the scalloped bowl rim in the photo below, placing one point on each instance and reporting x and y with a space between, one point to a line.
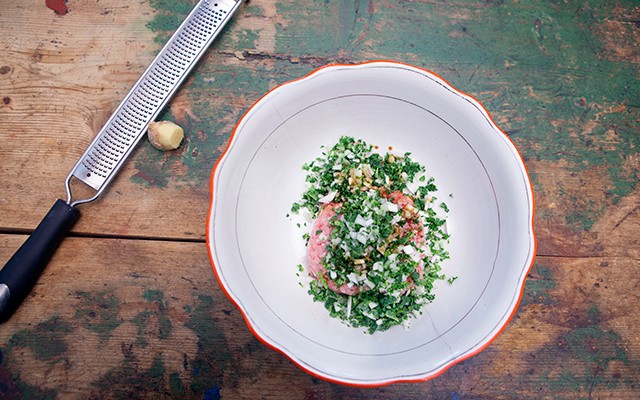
275 344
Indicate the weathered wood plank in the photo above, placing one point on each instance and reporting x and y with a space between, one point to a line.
108 313
543 86
152 321
62 77
145 318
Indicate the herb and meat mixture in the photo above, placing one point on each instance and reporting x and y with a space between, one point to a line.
377 242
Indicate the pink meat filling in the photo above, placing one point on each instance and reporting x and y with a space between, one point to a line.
321 232
318 249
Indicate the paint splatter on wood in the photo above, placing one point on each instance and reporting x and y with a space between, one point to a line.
59 6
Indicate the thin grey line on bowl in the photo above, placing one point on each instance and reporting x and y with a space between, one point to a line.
278 316
516 294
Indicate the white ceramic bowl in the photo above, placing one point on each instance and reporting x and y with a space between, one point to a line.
254 248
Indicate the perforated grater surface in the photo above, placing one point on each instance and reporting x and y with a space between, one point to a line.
107 153
113 144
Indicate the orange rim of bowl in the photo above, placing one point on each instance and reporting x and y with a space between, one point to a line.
448 364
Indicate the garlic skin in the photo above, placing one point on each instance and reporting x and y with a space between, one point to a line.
165 135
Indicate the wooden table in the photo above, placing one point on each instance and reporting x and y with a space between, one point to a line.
129 306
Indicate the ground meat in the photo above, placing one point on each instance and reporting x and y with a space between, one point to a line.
318 249
321 232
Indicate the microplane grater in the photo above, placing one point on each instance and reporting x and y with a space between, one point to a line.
114 143
127 125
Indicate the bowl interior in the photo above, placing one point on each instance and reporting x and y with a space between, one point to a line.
256 245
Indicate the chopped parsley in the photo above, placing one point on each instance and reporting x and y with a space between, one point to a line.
387 240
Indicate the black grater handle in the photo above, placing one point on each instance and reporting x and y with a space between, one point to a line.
21 272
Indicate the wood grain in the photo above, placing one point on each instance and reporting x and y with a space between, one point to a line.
129 307
153 322
61 87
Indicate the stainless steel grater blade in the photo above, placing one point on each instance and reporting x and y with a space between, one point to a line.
113 144
128 124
